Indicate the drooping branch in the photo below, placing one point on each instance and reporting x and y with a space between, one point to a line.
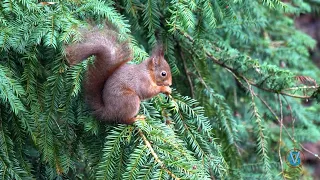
242 77
280 121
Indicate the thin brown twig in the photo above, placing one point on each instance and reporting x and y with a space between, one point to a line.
275 115
316 155
285 129
291 115
155 156
303 87
235 99
280 136
187 73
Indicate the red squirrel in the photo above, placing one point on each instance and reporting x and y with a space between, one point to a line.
113 88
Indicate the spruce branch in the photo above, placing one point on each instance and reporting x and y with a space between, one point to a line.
276 117
285 128
261 138
155 156
228 128
241 76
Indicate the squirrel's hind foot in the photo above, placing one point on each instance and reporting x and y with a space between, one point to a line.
140 117
137 118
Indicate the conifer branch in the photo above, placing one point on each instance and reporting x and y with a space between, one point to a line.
277 118
222 64
155 156
252 83
261 139
284 127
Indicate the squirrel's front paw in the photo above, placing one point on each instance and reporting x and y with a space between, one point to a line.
166 90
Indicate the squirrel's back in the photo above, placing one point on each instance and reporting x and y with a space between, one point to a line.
109 54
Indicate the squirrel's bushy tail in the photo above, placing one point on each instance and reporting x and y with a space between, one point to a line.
109 54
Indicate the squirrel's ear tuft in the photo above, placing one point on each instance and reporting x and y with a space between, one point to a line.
158 51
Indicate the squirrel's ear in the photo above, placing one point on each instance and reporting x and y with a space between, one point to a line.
158 51
152 63
156 61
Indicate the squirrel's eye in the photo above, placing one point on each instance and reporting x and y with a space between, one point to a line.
163 73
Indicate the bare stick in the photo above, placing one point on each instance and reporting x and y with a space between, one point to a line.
280 136
187 73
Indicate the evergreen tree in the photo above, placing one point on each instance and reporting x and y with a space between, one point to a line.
242 75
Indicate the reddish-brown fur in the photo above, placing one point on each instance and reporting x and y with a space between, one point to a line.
113 88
